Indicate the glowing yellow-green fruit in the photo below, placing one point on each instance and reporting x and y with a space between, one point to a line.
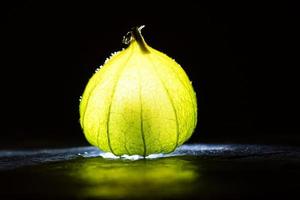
140 102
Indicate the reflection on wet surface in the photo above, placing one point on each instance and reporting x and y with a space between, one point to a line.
97 177
117 178
192 171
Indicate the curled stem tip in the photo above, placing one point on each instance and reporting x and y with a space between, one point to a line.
135 34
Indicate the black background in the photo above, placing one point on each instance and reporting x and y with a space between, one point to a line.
243 60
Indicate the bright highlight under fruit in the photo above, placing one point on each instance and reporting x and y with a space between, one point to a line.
140 102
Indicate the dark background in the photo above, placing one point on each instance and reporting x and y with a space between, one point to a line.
243 60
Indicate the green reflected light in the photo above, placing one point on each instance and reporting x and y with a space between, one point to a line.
127 179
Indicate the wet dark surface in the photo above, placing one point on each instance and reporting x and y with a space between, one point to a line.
214 171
